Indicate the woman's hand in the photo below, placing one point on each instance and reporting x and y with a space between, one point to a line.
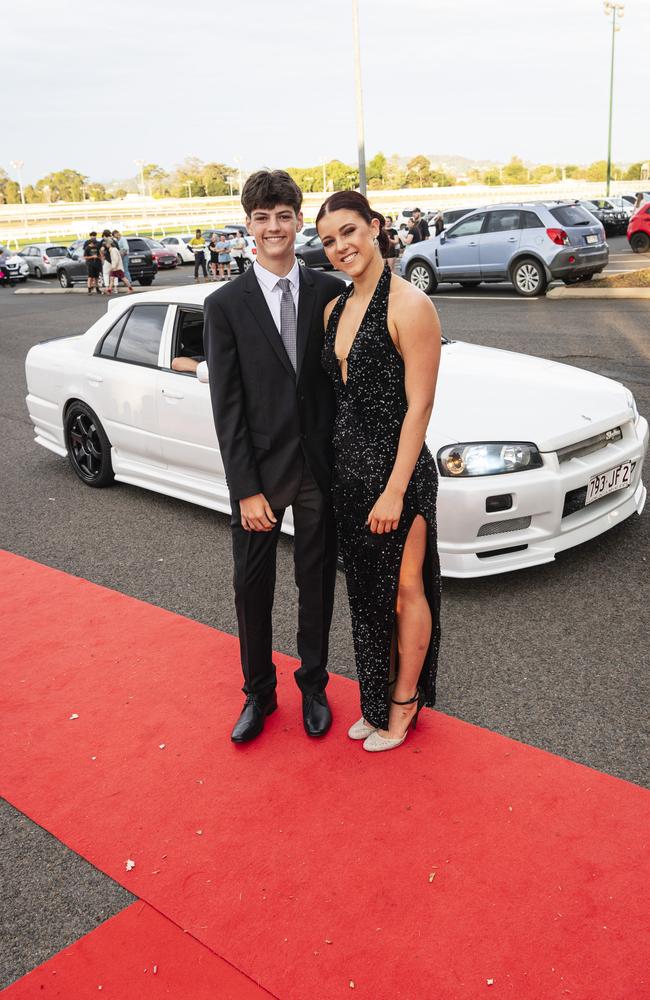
385 515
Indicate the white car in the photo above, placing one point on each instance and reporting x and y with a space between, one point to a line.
180 243
534 456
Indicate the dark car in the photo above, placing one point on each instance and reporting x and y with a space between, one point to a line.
312 253
614 220
142 266
163 256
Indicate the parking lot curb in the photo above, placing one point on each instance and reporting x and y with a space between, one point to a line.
598 293
64 291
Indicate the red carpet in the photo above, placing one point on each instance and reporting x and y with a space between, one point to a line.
313 866
136 954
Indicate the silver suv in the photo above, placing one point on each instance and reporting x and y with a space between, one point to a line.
528 244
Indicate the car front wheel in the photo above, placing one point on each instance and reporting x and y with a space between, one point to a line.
89 450
38 274
640 242
64 279
145 281
420 274
528 278
179 259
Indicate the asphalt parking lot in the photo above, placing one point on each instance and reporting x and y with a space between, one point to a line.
555 656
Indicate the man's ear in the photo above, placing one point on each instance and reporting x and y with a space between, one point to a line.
248 225
299 221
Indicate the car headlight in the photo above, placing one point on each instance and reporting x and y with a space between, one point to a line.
631 402
492 458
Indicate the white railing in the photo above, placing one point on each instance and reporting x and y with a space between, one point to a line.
39 222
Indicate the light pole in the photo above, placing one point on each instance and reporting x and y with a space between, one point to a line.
140 165
188 184
18 165
615 9
361 142
238 162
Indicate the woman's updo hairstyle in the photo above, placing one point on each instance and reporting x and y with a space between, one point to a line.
355 202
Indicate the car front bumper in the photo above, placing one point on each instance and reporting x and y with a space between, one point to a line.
543 527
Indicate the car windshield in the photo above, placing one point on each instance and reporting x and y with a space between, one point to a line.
572 215
56 252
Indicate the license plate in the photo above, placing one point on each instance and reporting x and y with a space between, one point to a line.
136 260
609 482
591 239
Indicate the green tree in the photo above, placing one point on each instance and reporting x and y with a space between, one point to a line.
492 177
597 171
545 173
342 176
515 172
418 172
574 172
377 169
214 176
633 172
63 185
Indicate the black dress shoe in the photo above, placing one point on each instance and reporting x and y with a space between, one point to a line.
251 721
316 714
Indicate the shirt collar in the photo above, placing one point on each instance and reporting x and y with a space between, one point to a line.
270 280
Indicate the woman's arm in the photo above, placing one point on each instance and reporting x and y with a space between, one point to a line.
418 335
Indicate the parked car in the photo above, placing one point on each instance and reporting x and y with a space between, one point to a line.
534 456
180 246
528 244
450 216
164 256
250 252
142 266
72 269
311 253
638 230
15 268
614 219
42 258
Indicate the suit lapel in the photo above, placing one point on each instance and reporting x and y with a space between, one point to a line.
256 303
306 302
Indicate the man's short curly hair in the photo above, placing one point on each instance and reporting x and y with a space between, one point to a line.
268 188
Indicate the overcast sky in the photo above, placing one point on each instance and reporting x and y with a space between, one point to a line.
96 86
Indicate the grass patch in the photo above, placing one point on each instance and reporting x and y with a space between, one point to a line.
631 279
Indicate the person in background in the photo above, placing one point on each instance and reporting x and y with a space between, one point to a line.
93 262
439 222
391 253
238 245
214 256
422 224
197 246
105 257
413 234
122 245
223 246
117 274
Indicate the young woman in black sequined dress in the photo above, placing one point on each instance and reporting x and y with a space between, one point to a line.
382 350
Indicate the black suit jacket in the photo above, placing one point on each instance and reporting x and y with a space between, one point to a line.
267 416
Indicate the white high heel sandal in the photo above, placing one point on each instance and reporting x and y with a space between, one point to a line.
361 730
376 743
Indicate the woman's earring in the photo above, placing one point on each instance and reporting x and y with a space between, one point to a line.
375 242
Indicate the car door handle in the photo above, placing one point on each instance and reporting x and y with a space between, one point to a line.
512 239
473 244
172 395
94 378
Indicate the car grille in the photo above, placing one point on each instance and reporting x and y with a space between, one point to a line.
500 527
589 445
574 501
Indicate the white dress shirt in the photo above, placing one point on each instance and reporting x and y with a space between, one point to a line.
272 291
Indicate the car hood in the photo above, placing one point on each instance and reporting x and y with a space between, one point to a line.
485 394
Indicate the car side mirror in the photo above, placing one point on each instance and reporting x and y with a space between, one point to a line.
443 238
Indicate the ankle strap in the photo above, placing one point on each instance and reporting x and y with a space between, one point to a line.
411 701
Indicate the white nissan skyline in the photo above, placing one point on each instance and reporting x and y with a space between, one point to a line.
534 456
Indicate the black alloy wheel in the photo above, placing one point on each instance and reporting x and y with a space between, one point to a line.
640 242
145 281
89 450
64 279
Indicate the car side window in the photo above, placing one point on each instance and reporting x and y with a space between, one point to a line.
502 221
188 339
110 341
531 220
140 338
136 244
468 227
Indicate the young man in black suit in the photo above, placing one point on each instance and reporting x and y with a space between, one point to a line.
273 411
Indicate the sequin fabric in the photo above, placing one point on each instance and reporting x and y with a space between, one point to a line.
370 409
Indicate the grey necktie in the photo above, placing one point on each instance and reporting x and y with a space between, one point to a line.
288 320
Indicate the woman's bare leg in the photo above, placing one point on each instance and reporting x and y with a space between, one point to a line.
413 625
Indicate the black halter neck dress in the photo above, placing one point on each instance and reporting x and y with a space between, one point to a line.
370 409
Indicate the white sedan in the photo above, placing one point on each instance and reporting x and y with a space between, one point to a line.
534 456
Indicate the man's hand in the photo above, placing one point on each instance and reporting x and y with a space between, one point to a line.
256 515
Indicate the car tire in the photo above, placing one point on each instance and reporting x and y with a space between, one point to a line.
89 449
470 284
64 279
421 274
179 259
145 281
301 261
38 274
246 263
528 277
640 242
